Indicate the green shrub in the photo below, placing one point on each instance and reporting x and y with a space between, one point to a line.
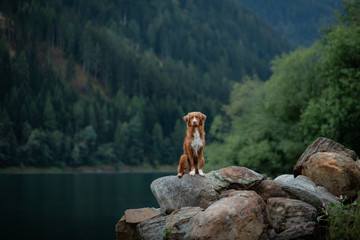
167 233
342 219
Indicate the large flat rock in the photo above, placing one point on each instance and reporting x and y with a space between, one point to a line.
174 193
239 178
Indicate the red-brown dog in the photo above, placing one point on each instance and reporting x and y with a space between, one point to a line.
192 160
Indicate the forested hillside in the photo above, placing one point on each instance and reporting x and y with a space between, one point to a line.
312 92
107 82
300 21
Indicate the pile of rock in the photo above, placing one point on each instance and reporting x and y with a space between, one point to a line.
239 203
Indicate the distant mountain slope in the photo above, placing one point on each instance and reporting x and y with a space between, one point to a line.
300 21
107 82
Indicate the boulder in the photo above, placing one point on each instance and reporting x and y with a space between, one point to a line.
174 193
125 230
304 189
239 178
284 178
126 227
140 214
270 188
226 193
284 213
321 145
336 172
296 232
151 229
239 216
193 209
180 220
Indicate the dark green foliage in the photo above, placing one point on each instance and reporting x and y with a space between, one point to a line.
300 21
168 233
91 82
313 92
342 219
336 112
49 117
158 144
5 70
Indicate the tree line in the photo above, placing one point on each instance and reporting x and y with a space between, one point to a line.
107 82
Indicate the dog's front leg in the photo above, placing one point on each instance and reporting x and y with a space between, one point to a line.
201 162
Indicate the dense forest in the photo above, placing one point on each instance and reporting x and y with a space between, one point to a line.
312 92
300 21
107 82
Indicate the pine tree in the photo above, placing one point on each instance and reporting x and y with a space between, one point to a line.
79 114
49 116
177 137
136 142
76 156
157 144
121 139
8 141
21 70
92 116
5 69
26 131
70 69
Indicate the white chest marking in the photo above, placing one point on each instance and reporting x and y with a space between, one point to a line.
196 143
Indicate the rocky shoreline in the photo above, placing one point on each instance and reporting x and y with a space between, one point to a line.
239 203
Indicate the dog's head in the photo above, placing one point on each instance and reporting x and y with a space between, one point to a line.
195 119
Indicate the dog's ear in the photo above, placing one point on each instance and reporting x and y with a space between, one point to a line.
186 118
203 117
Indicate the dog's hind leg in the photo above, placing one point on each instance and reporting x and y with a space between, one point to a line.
183 165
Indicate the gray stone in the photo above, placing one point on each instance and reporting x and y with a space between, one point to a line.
126 227
182 221
152 229
270 188
239 178
295 232
304 189
284 178
126 230
174 193
285 213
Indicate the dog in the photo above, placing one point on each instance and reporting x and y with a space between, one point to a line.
192 160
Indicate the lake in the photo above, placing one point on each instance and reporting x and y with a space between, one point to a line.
70 206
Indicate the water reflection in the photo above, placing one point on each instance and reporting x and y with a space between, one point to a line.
70 206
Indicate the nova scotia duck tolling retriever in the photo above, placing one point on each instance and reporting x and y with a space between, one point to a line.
192 160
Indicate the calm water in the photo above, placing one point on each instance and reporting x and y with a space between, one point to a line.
70 206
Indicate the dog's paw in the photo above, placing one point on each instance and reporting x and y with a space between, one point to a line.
192 173
201 173
179 175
